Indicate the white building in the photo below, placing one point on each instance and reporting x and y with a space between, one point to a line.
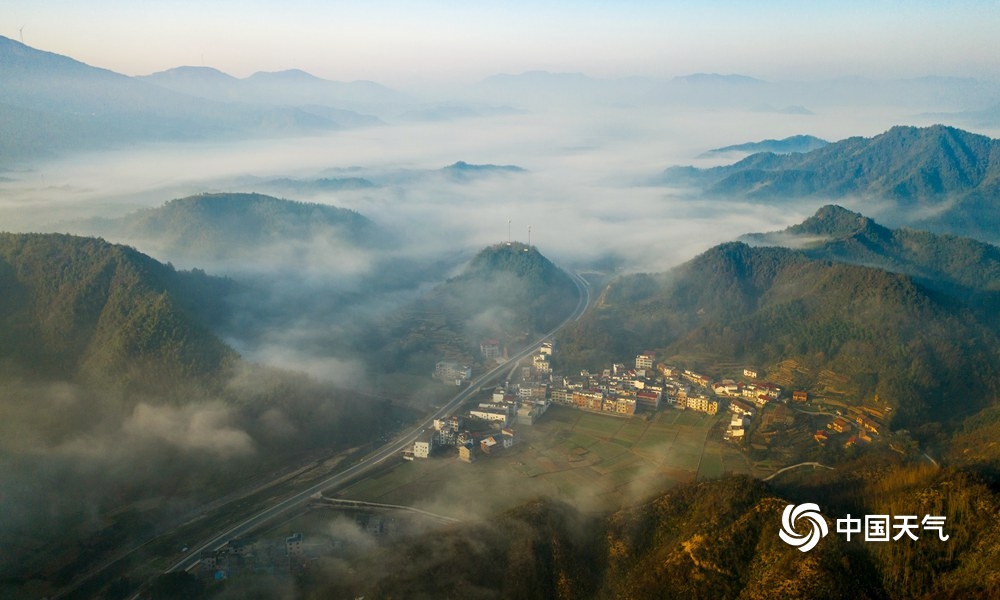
423 446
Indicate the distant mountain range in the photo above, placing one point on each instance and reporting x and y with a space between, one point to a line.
462 170
53 104
939 178
282 88
788 145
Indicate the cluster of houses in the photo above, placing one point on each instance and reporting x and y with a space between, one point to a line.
471 437
622 390
248 556
848 431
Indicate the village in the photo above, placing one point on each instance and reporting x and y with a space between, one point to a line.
639 389
488 427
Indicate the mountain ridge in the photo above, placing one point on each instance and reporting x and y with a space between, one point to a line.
946 178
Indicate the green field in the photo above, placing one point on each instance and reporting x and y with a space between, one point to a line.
589 459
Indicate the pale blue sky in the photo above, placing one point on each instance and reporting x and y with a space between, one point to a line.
402 43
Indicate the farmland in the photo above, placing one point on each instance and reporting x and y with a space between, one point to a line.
595 461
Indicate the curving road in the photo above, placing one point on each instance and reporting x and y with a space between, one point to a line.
814 465
393 448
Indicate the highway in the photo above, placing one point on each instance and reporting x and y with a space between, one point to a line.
393 448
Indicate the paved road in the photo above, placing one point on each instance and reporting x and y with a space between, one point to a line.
393 448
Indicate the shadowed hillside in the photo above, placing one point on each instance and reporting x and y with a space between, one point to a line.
711 539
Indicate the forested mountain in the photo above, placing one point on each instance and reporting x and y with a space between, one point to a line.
892 340
81 308
955 172
954 264
506 291
121 410
210 227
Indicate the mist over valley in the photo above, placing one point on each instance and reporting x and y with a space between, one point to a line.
232 307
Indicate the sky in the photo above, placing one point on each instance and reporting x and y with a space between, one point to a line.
401 43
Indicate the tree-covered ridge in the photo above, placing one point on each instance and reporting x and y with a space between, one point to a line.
506 292
835 233
516 277
926 355
953 171
81 308
904 163
226 225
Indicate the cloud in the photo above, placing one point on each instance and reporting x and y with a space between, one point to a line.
204 427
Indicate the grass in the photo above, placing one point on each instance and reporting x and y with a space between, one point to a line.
711 466
568 454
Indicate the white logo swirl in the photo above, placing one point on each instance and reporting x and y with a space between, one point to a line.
809 511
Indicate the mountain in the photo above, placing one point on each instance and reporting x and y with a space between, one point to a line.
788 145
859 334
463 171
290 88
54 104
716 79
507 291
945 262
82 309
940 178
237 227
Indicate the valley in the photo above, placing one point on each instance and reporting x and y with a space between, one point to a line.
270 333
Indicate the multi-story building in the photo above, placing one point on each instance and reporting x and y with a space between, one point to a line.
452 372
423 446
562 396
703 404
645 360
293 545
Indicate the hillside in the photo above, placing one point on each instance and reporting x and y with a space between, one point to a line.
889 339
236 226
711 539
953 172
956 265
505 292
80 308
